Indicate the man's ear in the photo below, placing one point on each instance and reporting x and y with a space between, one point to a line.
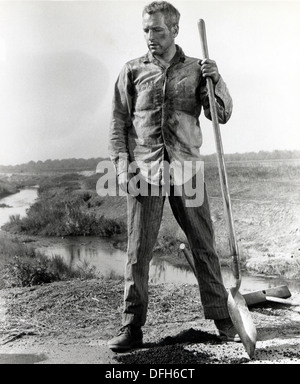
175 30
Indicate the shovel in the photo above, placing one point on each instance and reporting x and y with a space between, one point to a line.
276 294
237 306
257 298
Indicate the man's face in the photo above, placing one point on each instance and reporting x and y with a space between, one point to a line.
157 34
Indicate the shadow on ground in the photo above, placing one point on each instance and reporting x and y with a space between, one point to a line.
176 350
21 358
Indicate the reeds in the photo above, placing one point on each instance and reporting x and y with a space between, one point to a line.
22 266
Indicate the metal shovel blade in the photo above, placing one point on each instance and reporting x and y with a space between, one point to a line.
242 320
237 306
238 312
267 295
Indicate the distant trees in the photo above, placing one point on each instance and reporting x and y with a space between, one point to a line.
74 165
54 165
261 155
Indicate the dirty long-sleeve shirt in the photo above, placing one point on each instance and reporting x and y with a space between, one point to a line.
156 109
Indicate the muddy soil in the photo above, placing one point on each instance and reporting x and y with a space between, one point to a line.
70 323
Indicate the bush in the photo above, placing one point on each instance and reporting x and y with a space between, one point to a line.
25 272
53 217
28 271
22 266
15 219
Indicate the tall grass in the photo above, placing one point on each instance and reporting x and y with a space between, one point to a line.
253 170
64 215
6 188
22 266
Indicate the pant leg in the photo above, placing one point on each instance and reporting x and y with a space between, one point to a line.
144 219
197 225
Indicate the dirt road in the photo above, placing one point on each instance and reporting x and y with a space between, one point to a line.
70 323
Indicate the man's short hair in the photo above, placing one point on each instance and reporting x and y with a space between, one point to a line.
170 13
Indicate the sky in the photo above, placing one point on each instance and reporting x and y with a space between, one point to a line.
59 61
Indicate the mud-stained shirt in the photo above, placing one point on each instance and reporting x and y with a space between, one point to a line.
156 110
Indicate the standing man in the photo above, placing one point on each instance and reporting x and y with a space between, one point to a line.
157 102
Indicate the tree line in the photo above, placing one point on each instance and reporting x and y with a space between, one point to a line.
49 165
76 165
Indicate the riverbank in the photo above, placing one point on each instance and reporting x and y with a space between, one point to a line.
71 321
7 189
265 203
11 183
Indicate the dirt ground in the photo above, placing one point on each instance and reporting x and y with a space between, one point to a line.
70 323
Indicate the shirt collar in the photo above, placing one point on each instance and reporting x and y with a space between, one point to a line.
179 56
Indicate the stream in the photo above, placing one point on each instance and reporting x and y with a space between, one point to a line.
17 204
107 260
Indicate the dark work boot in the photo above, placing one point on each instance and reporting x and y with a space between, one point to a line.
128 337
227 330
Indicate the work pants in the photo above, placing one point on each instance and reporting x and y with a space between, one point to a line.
144 219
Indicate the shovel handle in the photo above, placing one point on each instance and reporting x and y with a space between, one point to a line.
188 258
221 161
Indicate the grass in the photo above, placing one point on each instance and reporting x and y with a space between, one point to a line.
22 266
65 208
288 267
265 202
7 188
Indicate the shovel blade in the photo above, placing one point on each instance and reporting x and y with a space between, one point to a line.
242 320
259 297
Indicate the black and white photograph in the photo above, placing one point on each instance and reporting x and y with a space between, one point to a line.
149 185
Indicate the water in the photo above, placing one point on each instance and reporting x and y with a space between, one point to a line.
100 252
18 203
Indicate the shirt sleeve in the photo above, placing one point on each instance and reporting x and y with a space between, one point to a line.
223 100
120 121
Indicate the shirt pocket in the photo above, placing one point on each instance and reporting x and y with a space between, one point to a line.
183 92
145 96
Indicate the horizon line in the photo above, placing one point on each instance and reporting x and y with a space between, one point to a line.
202 155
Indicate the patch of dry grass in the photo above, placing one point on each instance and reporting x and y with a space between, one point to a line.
71 307
93 307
